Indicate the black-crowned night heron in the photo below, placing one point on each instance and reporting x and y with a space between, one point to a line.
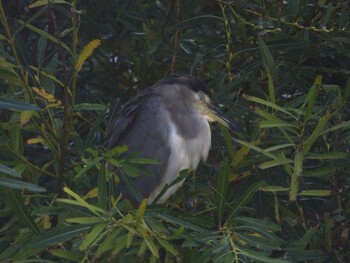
167 122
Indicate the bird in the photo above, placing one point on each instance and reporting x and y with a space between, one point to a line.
167 122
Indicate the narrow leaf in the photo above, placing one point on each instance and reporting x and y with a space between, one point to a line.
273 163
319 193
46 2
244 197
294 181
92 236
45 34
317 132
22 212
7 170
91 106
267 58
19 105
326 156
40 51
109 242
258 223
16 184
58 235
259 256
312 96
140 211
24 117
267 103
86 220
221 190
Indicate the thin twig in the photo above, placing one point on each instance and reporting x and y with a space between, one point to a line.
176 38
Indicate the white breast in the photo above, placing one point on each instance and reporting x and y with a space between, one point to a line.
185 154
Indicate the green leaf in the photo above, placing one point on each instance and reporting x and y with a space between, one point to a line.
44 34
317 131
81 202
58 235
294 181
16 184
12 104
311 97
151 246
40 52
109 242
243 198
274 188
91 106
278 147
274 163
262 224
221 190
319 193
22 212
5 64
130 238
187 225
326 171
86 220
102 187
49 76
7 170
259 242
274 124
120 244
46 2
256 148
86 168
168 246
10 76
141 211
268 104
139 160
343 125
65 254
326 156
259 256
92 236
268 60
271 87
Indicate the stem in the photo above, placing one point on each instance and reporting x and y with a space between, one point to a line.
228 62
68 99
176 38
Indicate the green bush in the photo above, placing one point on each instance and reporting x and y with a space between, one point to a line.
276 193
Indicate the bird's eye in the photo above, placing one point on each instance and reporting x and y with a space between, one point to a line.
202 97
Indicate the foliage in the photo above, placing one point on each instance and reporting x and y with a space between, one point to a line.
277 192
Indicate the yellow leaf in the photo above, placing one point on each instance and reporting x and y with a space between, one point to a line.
47 96
46 2
46 222
25 116
86 53
36 140
91 194
53 105
318 80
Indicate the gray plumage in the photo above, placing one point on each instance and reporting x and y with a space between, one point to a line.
167 122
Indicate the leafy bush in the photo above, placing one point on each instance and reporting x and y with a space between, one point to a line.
276 193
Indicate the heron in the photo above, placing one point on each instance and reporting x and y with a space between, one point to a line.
167 122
